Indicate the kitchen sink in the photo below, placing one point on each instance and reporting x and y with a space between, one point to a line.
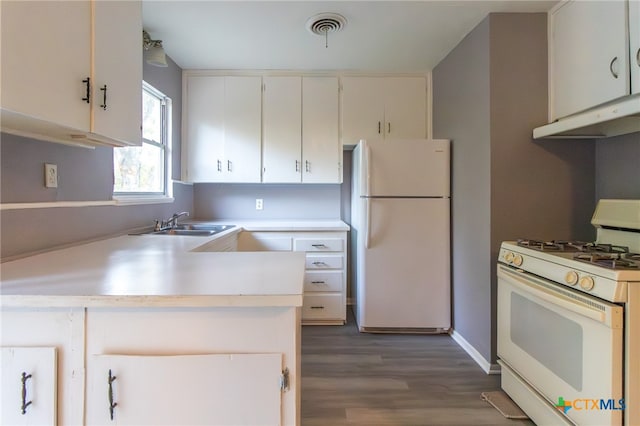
191 229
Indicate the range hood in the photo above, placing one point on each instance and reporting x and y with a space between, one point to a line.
619 117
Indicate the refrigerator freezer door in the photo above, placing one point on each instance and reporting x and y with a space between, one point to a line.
403 278
406 168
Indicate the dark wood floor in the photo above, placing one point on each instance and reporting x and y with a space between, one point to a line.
352 378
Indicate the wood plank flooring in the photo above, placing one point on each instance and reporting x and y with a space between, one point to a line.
352 378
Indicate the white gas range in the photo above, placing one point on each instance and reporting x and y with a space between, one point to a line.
569 322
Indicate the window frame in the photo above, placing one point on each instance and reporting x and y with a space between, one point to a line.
165 144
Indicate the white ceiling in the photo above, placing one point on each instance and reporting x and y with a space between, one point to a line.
380 36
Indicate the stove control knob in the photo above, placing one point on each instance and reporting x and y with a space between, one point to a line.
587 283
517 260
508 256
571 278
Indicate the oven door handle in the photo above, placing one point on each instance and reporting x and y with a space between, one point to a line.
603 312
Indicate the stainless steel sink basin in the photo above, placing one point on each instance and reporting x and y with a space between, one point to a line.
192 229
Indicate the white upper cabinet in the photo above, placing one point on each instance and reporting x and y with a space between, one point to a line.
117 83
300 130
46 48
203 129
589 54
242 121
634 44
383 107
321 147
282 129
221 132
61 60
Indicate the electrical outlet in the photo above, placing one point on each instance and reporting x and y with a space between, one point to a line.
50 175
258 203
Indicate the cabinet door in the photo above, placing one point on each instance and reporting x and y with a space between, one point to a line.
30 372
216 389
242 128
405 112
589 55
117 85
362 109
45 56
321 148
634 47
282 146
204 135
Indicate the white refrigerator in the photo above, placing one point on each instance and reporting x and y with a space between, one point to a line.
400 214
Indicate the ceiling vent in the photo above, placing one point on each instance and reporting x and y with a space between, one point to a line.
325 23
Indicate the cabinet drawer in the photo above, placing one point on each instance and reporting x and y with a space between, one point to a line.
324 262
323 281
318 244
325 306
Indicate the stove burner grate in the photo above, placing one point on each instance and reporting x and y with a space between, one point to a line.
611 261
573 246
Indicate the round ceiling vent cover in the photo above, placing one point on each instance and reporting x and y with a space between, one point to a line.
324 23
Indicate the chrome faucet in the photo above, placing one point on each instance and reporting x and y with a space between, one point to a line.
172 222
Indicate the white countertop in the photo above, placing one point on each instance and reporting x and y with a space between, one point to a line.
160 271
282 225
152 271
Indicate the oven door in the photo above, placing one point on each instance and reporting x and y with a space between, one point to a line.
566 345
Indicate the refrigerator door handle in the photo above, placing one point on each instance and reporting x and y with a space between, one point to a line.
367 174
367 220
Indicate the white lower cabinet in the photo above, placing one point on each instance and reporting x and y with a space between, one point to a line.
150 366
28 392
48 345
193 366
209 389
325 296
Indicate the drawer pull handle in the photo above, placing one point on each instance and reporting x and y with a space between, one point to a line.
104 97
112 405
25 404
320 264
318 245
87 97
317 307
318 282
613 67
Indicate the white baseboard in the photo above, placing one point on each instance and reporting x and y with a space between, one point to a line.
474 354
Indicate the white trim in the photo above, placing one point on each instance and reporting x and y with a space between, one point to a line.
132 200
473 353
52 204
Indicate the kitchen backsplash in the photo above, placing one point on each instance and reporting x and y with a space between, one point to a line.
618 167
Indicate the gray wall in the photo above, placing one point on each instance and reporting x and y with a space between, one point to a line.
618 167
281 201
84 175
488 95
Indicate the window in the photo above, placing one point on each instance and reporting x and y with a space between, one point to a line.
145 171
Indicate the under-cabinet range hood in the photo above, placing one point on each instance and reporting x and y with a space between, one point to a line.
619 117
